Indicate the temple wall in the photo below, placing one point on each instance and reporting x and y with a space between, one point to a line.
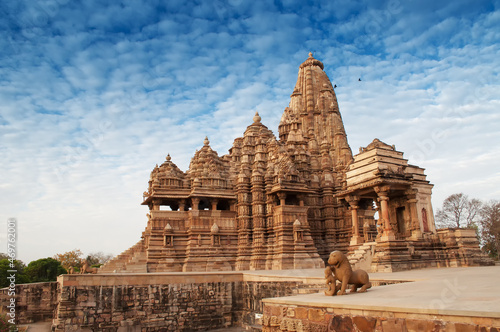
283 317
177 302
34 302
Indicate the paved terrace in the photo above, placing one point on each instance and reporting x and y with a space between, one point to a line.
472 292
465 292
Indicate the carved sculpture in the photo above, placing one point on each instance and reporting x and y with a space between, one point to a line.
344 273
87 269
331 281
71 270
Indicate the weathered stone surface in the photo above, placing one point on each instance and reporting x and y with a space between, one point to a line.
366 324
341 324
424 325
393 325
197 304
34 302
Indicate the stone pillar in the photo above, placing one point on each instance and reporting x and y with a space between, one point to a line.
416 232
353 204
282 197
214 202
182 204
194 203
383 197
244 230
301 198
232 205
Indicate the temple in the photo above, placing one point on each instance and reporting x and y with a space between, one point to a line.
286 202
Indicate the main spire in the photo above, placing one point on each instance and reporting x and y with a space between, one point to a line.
314 109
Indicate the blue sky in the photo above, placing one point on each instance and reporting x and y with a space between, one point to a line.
93 95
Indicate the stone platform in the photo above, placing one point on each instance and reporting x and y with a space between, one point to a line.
450 299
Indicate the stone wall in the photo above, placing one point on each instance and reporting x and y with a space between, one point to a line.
309 318
171 302
34 302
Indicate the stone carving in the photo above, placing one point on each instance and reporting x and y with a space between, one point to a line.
344 273
87 269
331 282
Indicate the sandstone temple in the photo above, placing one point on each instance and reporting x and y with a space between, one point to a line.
286 202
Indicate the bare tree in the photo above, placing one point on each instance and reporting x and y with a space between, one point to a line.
490 228
458 211
98 258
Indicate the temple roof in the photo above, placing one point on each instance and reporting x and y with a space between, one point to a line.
311 61
376 143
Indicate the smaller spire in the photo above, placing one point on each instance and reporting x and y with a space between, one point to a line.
206 142
214 229
257 118
310 54
168 157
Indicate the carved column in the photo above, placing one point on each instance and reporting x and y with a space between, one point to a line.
270 203
195 201
383 197
214 202
244 220
282 197
257 261
353 204
416 232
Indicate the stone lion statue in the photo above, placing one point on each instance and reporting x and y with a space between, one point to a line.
344 273
87 269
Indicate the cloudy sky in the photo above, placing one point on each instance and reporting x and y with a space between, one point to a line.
93 95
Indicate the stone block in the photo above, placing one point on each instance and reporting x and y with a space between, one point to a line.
461 327
393 325
301 313
364 324
341 324
413 325
316 315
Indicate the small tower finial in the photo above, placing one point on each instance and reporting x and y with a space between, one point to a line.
310 54
168 157
256 118
206 142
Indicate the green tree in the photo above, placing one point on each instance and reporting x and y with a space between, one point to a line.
459 211
44 269
21 277
490 228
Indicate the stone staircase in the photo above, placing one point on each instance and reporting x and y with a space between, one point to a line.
132 260
361 256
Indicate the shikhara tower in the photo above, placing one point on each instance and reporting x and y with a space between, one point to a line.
286 202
